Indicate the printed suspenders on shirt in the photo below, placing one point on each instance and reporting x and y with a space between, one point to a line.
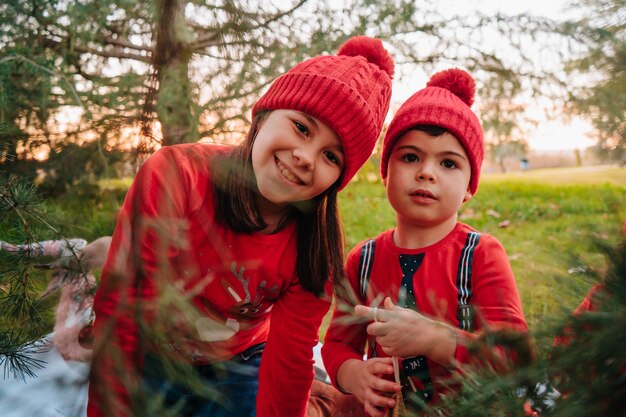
464 312
418 366
365 269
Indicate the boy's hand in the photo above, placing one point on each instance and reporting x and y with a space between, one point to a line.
365 380
406 333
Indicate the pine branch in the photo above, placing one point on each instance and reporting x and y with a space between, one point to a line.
16 359
46 70
583 376
20 306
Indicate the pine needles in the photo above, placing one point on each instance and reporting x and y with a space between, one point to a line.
23 315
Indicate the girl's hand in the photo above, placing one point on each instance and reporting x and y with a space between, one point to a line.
365 380
406 333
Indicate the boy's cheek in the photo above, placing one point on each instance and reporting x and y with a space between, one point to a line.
468 196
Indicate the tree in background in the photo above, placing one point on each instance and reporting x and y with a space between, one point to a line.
190 69
106 50
600 60
502 120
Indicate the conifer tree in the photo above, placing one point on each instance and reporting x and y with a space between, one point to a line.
25 317
584 375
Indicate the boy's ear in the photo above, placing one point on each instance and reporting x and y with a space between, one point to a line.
468 196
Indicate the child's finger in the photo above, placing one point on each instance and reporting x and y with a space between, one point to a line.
371 313
389 305
374 411
386 386
380 366
378 403
366 312
377 329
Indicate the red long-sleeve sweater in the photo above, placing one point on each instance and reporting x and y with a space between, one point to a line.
243 286
494 294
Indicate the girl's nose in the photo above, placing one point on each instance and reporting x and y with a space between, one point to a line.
303 158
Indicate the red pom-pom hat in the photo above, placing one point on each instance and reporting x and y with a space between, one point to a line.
445 102
350 92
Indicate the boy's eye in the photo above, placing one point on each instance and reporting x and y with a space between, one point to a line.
410 157
301 127
449 164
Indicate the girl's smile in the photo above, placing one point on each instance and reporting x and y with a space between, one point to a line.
287 173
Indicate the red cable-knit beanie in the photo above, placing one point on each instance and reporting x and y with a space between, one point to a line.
445 102
349 92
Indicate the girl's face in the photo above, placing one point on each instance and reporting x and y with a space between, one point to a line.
427 179
295 157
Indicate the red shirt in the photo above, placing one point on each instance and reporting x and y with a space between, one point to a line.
494 294
243 286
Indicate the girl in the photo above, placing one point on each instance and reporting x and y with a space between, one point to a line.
223 253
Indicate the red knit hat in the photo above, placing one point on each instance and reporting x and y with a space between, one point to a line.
349 92
445 102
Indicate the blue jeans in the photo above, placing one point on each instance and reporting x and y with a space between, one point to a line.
224 389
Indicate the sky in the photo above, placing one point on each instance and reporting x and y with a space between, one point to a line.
558 134
548 135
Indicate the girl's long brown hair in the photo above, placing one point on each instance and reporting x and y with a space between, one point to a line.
319 234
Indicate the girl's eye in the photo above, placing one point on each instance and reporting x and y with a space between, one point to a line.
332 158
449 164
302 128
410 157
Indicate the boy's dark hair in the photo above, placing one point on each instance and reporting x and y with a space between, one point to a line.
432 130
319 234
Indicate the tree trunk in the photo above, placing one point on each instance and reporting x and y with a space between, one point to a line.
174 101
502 164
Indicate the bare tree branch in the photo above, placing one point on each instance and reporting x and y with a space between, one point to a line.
114 54
246 42
209 39
125 43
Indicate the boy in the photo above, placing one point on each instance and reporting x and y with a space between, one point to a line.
458 280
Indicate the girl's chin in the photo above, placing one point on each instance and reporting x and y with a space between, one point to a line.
272 200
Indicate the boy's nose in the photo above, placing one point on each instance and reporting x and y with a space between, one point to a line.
426 173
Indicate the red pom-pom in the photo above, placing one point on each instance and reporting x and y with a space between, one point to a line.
459 82
371 49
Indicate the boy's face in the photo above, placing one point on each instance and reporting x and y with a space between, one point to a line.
427 178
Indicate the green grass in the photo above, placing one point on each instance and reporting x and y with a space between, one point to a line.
89 217
590 175
554 217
